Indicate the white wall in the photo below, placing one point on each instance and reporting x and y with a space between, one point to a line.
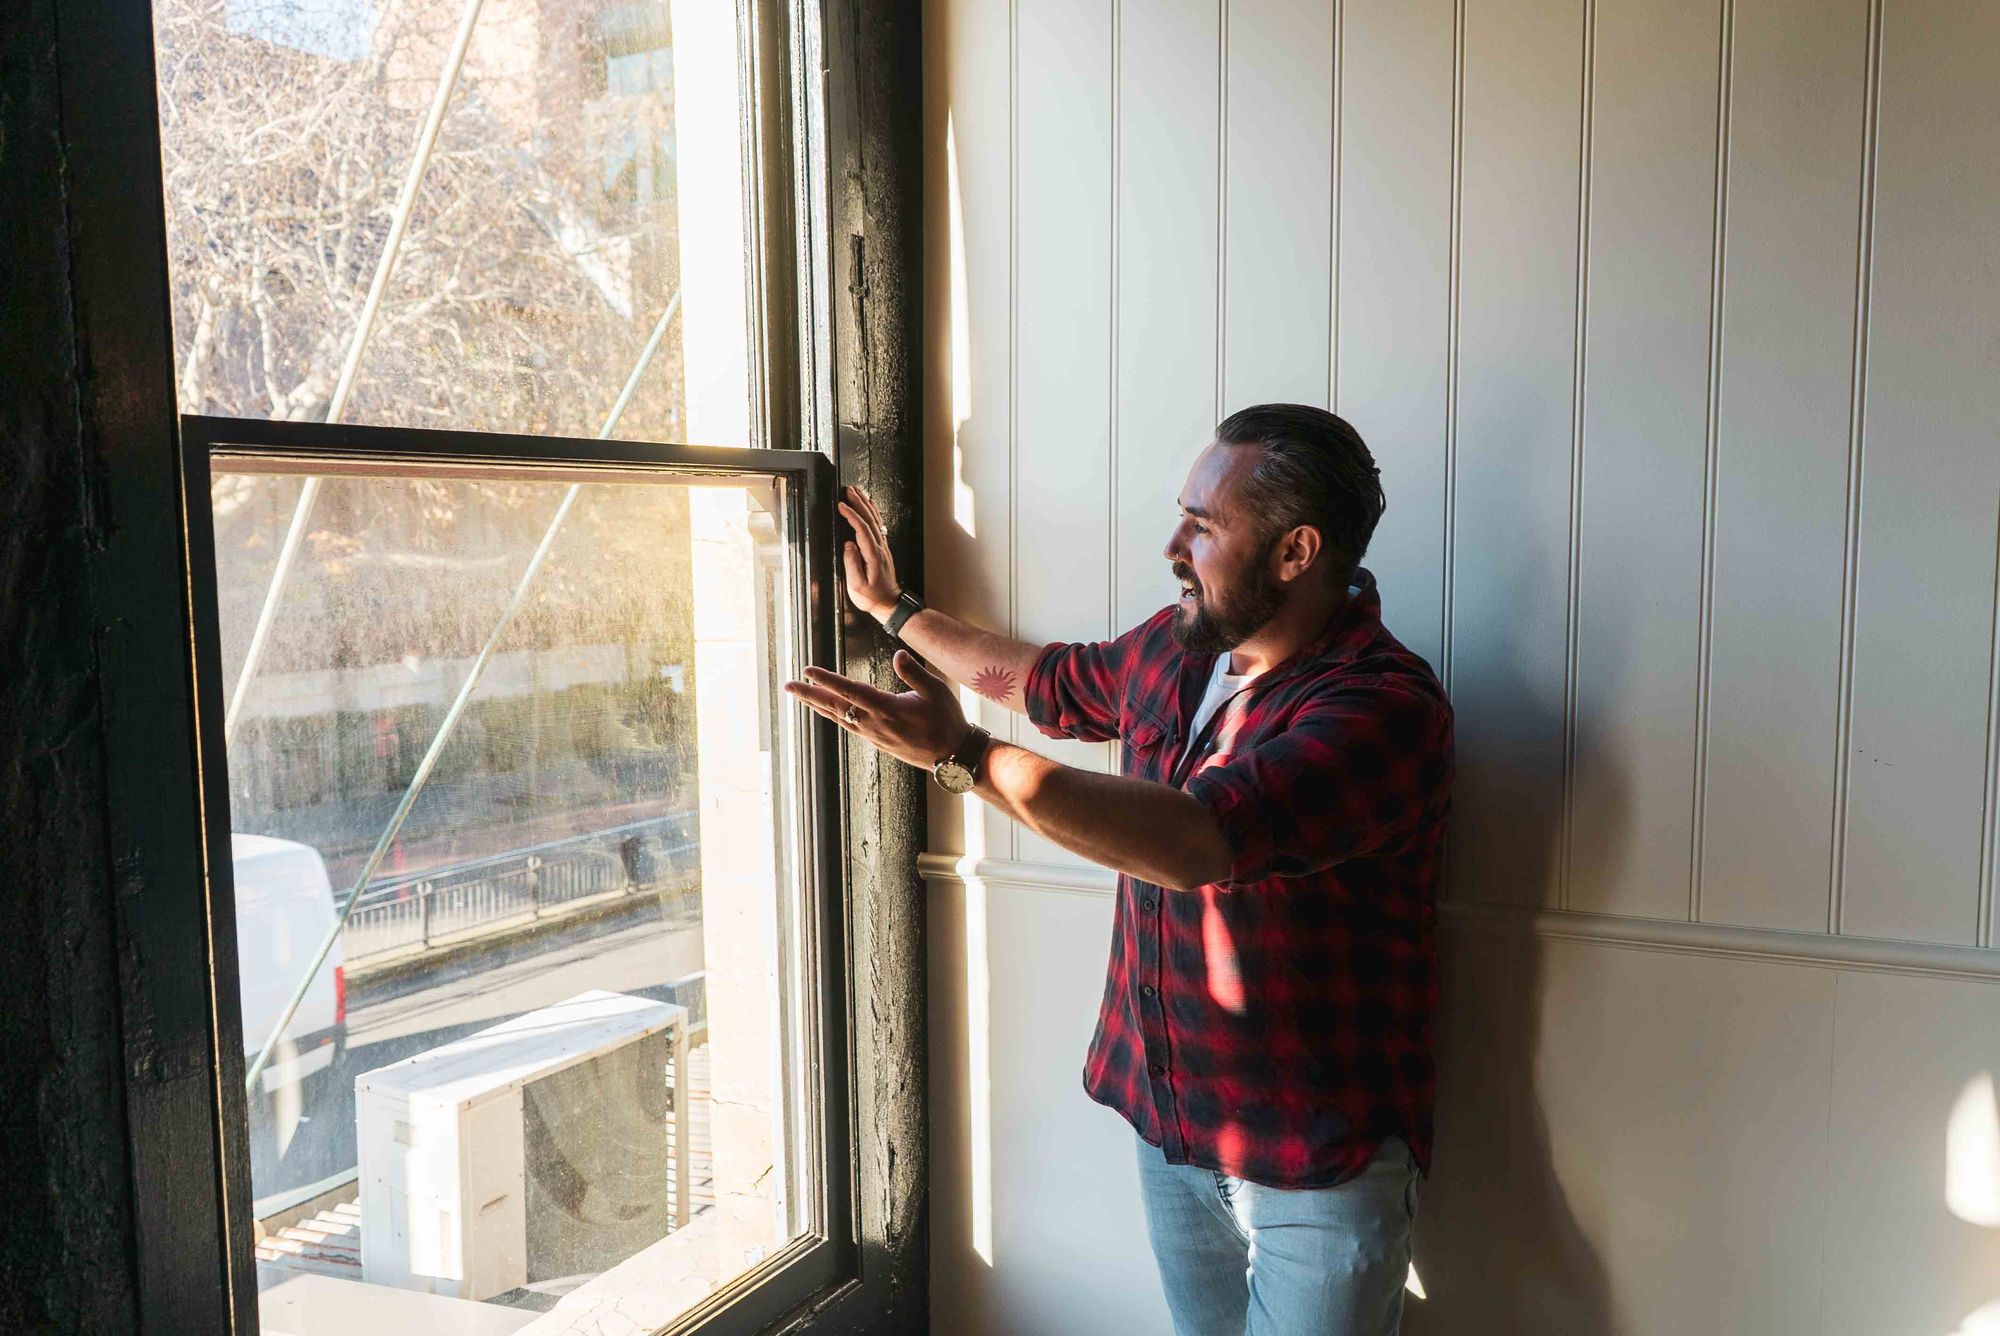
1676 330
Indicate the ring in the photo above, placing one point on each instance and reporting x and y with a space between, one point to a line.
851 715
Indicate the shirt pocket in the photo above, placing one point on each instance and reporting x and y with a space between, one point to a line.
1146 744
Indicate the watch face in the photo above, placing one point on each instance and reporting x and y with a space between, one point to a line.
953 777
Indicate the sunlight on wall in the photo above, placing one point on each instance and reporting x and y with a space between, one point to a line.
961 339
979 1068
1983 1321
978 1018
1414 1283
1972 1158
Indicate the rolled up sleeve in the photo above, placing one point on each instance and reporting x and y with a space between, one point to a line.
1077 690
1359 773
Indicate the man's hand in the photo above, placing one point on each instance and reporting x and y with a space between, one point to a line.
920 726
871 572
1154 832
995 666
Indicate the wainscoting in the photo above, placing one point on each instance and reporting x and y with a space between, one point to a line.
1643 1128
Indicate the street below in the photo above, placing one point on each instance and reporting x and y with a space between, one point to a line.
408 1013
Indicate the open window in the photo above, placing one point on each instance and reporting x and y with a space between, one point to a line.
508 506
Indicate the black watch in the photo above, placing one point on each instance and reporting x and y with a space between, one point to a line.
907 606
959 772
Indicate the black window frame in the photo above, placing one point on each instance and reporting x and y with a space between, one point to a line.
847 385
809 1265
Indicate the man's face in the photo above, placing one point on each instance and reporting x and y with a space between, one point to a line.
1221 557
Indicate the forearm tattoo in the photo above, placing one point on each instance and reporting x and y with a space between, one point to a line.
994 683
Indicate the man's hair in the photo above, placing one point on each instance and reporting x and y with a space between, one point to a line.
1313 469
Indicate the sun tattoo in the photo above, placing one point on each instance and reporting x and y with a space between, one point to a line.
996 684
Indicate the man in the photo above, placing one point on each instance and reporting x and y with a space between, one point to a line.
1266 1025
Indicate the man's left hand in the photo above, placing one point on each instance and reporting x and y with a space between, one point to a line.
920 726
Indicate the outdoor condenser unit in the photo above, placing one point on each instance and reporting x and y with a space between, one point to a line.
533 1150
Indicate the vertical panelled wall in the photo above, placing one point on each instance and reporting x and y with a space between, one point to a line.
1672 327
1675 328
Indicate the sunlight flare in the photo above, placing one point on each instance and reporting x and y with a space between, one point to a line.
961 339
1972 1155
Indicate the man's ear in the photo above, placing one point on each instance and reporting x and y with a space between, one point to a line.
1296 552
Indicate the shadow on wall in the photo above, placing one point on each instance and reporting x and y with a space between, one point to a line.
1499 1250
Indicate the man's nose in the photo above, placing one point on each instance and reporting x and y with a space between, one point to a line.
1175 550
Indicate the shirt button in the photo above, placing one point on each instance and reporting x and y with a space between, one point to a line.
1145 990
1157 1070
1148 903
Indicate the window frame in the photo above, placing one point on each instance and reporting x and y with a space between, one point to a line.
854 92
810 1264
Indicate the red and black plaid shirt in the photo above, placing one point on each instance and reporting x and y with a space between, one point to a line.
1276 1026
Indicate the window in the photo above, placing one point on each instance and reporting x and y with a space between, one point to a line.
534 927
483 214
531 980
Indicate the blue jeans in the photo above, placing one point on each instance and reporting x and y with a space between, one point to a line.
1238 1258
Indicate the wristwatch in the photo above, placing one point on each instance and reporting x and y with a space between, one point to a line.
958 772
907 606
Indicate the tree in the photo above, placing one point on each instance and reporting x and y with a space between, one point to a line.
541 245
540 253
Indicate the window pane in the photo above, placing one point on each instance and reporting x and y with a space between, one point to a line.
554 1060
580 191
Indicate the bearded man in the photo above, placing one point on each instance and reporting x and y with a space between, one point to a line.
1277 828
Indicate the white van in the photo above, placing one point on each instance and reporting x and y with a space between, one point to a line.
284 910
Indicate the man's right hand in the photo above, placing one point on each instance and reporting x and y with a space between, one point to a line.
995 666
871 571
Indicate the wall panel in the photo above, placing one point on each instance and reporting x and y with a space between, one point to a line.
1645 401
1167 149
1918 767
968 538
1278 202
1795 143
1047 954
1394 296
1516 378
1052 1239
1063 387
1627 1206
1914 1237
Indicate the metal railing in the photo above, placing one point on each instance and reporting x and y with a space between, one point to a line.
547 880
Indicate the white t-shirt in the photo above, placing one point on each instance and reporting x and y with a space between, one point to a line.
1222 684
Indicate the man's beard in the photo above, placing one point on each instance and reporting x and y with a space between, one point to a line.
1217 630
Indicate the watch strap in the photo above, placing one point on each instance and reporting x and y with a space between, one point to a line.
908 605
970 752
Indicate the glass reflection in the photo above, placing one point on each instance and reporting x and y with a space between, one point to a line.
548 1061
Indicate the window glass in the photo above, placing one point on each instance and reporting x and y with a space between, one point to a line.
552 1064
484 214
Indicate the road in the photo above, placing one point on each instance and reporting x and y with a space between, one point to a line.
390 1021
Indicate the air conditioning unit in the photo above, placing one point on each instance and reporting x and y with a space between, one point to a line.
533 1150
